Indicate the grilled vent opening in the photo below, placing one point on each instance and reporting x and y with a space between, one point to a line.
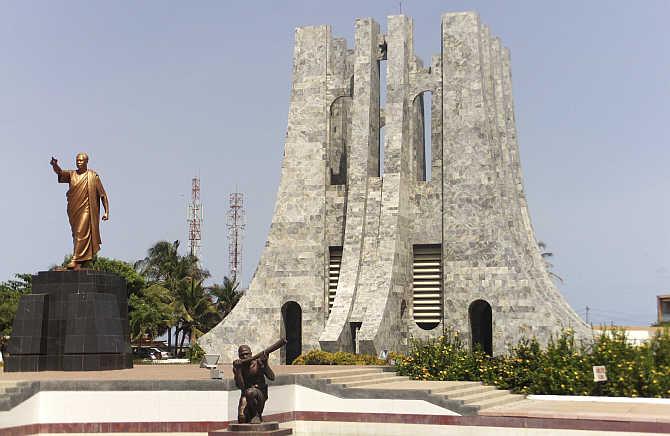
334 263
427 285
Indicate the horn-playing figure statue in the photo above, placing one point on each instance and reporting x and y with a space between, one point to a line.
250 373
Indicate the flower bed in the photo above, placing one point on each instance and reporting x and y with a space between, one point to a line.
564 367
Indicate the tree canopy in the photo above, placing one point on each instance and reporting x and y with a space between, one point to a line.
166 293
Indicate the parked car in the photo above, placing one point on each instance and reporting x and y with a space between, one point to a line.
145 353
162 353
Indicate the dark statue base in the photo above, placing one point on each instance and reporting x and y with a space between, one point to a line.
262 429
72 321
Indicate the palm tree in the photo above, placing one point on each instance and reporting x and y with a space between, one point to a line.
151 312
194 308
164 266
226 296
144 319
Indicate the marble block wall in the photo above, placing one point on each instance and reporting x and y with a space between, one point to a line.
335 191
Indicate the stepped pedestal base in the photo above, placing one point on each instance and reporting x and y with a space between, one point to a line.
72 321
262 429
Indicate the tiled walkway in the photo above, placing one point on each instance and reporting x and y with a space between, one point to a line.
530 408
152 372
639 412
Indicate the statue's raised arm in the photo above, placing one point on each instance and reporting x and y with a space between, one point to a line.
54 165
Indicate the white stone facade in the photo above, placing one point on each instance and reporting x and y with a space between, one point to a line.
332 193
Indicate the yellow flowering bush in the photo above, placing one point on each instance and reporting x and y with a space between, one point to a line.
318 357
563 367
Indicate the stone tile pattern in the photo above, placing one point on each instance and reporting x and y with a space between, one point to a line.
473 203
362 171
72 321
294 262
489 250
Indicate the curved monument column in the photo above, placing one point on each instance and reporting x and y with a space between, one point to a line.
292 266
488 249
362 164
387 274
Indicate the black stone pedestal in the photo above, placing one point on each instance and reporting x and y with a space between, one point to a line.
262 429
72 321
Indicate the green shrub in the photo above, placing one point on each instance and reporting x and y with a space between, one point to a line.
195 353
318 357
564 367
444 358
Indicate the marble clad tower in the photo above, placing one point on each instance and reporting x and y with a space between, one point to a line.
364 252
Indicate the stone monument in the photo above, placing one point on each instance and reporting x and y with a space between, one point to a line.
365 249
74 320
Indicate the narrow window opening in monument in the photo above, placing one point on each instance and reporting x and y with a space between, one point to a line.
355 327
291 314
427 285
381 152
334 263
427 136
381 65
337 142
481 326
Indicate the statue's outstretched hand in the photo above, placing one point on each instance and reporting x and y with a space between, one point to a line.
237 363
54 161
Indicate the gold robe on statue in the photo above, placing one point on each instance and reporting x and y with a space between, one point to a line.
83 210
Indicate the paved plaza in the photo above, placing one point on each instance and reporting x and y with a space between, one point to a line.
601 409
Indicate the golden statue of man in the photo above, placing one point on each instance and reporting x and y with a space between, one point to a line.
83 208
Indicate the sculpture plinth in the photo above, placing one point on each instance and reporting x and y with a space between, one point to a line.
72 321
265 428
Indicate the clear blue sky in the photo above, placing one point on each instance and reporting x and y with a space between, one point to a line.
157 92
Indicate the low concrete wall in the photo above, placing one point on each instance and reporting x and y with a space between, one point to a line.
214 408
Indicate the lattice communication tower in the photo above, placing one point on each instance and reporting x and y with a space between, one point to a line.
236 226
194 218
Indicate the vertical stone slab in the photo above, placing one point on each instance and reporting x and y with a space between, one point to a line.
27 347
468 179
488 242
339 92
292 266
387 277
362 155
473 250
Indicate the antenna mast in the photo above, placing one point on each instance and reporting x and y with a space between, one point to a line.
194 218
236 226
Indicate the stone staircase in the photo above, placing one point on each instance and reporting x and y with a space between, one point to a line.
363 377
13 393
476 394
473 394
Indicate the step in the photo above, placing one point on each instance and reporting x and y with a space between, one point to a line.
11 389
346 372
374 382
454 386
482 396
498 401
457 394
359 377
